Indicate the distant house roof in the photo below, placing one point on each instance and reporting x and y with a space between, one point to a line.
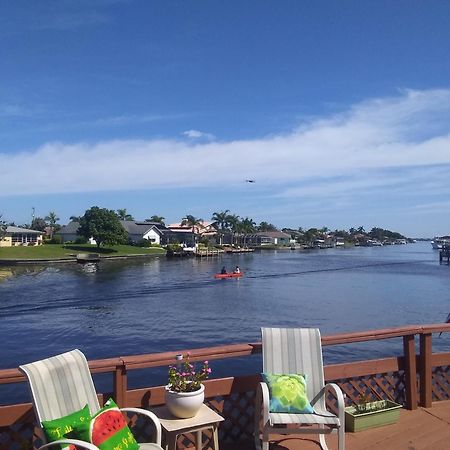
70 228
134 227
18 230
203 228
130 226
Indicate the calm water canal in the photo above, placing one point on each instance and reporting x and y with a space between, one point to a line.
127 307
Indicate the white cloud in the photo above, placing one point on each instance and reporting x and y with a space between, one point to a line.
363 148
195 134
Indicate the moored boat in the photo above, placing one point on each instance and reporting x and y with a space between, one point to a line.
440 241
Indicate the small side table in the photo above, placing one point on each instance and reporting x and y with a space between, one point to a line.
172 427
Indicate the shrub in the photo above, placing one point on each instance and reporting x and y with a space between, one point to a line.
144 243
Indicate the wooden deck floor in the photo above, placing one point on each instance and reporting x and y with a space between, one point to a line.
422 429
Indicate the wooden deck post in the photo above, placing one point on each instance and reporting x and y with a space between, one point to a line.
425 369
409 351
120 385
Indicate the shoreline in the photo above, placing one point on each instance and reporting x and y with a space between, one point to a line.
36 261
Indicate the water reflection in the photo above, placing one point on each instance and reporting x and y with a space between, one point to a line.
90 267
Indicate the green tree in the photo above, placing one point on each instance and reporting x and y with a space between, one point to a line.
52 218
157 219
265 226
75 218
103 225
3 226
311 235
123 215
38 224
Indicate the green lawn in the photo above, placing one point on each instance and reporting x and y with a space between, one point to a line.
55 251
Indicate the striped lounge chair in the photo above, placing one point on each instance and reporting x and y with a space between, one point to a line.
297 351
61 385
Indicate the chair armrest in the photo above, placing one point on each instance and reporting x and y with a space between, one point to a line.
263 398
77 442
149 415
339 396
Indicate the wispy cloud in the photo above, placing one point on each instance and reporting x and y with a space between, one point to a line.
398 145
195 134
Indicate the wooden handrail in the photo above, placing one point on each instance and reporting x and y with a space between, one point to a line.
232 351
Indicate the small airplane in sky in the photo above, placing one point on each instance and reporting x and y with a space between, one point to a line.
249 181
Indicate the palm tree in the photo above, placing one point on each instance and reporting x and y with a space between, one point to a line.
192 222
157 219
247 226
123 215
233 222
51 219
221 218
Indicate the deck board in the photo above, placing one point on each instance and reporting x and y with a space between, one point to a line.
422 429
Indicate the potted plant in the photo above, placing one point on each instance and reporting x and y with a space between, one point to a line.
185 392
369 413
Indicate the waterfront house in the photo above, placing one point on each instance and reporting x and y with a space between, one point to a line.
137 231
189 234
20 236
68 233
268 238
153 232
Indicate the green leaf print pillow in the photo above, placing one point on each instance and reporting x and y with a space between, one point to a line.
61 428
288 393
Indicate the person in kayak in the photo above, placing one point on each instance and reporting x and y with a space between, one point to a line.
224 270
237 270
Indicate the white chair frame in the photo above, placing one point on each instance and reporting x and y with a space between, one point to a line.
63 384
297 350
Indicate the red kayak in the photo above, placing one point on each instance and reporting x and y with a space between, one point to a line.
228 275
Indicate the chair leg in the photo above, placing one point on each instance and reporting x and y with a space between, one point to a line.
323 442
265 440
341 438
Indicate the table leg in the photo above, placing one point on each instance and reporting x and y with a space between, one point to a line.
199 445
171 441
215 437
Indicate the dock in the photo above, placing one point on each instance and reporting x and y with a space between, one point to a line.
238 250
207 252
444 254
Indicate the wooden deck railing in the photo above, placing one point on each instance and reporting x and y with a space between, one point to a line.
410 378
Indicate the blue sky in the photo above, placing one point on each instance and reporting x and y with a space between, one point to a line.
339 110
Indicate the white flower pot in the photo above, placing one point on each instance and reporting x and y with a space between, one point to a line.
185 404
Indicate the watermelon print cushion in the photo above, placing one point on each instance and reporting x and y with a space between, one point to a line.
108 430
62 427
288 394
